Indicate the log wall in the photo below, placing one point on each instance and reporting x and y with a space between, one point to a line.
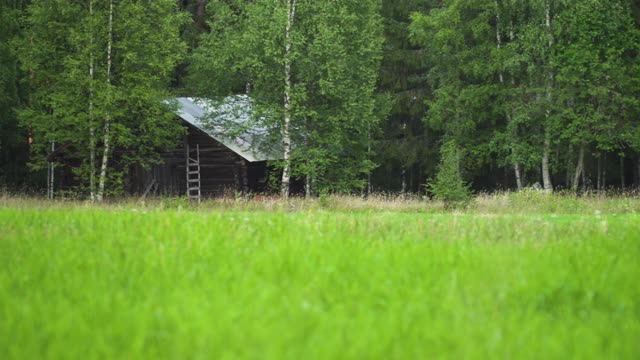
222 171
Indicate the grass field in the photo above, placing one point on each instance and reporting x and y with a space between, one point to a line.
328 280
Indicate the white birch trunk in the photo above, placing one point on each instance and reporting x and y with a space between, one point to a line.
369 158
516 169
546 175
579 169
107 120
516 165
92 130
286 137
51 174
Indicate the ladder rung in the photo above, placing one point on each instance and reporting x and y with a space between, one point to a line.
193 173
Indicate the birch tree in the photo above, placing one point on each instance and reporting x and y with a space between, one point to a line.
314 66
106 143
102 69
596 63
505 14
546 149
286 124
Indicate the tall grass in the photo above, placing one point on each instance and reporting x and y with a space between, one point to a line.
132 281
524 202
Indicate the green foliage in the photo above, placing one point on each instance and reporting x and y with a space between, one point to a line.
449 185
66 102
13 140
596 67
462 73
377 84
335 55
402 146
501 76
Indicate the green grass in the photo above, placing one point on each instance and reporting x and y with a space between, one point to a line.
116 282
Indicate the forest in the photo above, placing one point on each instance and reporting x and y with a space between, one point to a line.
438 97
319 179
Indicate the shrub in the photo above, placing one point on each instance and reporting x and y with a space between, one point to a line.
448 184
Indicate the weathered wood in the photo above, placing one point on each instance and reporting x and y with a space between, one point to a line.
219 169
146 191
244 176
193 173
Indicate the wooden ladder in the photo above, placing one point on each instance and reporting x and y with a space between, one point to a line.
193 174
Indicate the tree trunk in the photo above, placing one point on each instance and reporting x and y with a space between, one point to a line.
92 130
286 137
516 165
403 178
599 174
546 175
623 183
51 173
579 169
570 173
499 38
369 158
519 182
201 4
584 179
107 120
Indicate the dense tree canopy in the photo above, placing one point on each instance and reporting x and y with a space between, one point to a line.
362 94
314 65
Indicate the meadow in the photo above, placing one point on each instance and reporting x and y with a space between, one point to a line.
513 276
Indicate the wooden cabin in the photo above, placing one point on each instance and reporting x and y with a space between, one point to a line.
222 153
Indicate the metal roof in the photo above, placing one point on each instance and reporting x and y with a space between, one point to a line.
231 121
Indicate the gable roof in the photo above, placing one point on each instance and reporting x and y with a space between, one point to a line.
229 121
